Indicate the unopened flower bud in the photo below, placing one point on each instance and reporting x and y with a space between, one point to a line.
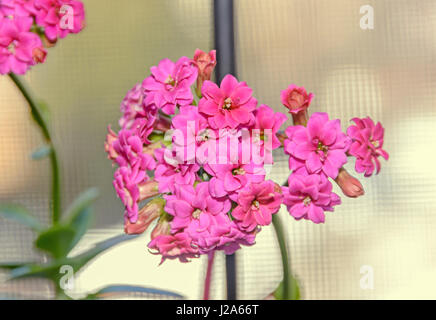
351 187
205 63
146 216
148 189
39 54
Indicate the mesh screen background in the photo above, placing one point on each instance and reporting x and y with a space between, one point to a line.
387 73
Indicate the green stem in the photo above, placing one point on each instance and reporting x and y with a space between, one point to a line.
284 253
41 122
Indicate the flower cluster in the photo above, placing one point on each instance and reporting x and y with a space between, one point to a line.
27 27
196 164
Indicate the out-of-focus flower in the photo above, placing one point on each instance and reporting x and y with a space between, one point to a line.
169 84
19 48
322 145
229 105
307 197
257 202
146 216
367 145
205 63
349 185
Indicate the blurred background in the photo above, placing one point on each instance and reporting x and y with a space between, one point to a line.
388 73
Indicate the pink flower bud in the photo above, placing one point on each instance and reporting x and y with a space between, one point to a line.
296 99
108 144
162 228
351 187
146 215
39 54
148 189
205 63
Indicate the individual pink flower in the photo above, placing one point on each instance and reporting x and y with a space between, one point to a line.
367 145
60 17
267 119
217 232
228 179
307 197
257 202
174 171
349 185
229 105
169 85
129 149
19 48
189 203
146 215
205 63
321 145
296 99
177 246
132 185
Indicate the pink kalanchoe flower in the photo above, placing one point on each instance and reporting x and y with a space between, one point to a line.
217 232
132 106
307 197
169 85
189 203
296 99
177 246
132 186
60 17
367 145
170 173
257 202
229 105
19 48
17 8
129 148
205 63
321 145
228 179
267 119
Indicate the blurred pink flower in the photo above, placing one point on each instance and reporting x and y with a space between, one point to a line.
19 48
309 196
367 145
177 246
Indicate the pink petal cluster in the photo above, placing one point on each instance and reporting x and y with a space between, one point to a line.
26 26
307 197
174 246
319 148
257 202
367 145
169 85
229 105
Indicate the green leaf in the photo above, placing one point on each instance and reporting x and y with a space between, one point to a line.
41 152
11 265
51 270
294 290
57 240
119 291
21 215
79 214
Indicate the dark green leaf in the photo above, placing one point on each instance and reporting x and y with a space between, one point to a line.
21 215
11 265
41 152
57 240
294 290
119 291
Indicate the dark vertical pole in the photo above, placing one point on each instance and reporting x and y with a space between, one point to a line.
225 51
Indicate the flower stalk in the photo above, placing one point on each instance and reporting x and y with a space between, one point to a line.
278 227
208 278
